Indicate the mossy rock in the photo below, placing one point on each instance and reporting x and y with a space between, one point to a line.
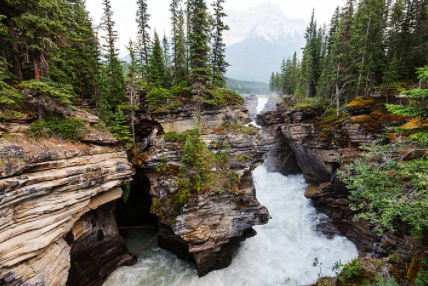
361 105
368 124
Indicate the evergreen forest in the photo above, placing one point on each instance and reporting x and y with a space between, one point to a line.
53 54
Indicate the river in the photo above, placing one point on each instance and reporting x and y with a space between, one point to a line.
282 253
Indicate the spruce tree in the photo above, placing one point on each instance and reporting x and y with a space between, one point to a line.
157 65
181 60
199 38
143 18
115 93
176 30
131 82
218 61
167 60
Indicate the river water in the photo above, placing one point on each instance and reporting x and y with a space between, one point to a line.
282 253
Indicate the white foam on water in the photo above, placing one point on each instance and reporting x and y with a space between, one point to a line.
282 253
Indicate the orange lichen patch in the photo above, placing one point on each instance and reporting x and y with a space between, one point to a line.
219 130
414 269
377 114
416 123
367 123
393 136
362 104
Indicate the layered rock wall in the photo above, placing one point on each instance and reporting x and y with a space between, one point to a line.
56 210
210 226
319 149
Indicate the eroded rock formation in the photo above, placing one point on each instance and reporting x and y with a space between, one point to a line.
321 147
56 209
209 228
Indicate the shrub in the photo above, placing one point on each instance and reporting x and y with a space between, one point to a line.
159 96
67 128
351 271
223 97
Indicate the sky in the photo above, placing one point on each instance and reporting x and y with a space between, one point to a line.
124 13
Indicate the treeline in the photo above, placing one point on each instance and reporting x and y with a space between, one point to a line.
248 87
52 49
369 46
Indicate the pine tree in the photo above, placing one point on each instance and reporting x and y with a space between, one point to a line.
272 82
115 93
199 43
176 31
218 61
132 80
143 18
167 60
157 64
181 60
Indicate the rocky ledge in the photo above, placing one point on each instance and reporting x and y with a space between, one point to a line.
318 148
56 210
209 227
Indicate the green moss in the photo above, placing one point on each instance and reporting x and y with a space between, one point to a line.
367 123
362 104
328 123
236 128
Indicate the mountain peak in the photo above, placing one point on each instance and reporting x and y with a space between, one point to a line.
266 20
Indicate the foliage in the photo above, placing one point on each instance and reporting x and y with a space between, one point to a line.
67 128
248 87
366 49
179 137
157 65
115 82
416 109
126 192
389 182
201 170
9 96
198 41
218 55
351 271
422 279
159 97
317 264
223 97
385 185
120 128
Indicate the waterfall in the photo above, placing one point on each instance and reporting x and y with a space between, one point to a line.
282 253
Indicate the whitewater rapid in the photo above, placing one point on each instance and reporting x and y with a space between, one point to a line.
282 253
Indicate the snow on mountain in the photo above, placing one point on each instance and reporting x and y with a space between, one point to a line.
258 39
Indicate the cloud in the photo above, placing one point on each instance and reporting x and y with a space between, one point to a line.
125 10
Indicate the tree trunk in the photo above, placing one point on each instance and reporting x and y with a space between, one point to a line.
337 99
41 107
36 67
16 62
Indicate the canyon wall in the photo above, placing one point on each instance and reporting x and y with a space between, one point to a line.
56 207
210 226
318 148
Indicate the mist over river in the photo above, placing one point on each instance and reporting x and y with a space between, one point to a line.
282 253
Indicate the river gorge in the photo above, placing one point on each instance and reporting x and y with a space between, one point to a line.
282 252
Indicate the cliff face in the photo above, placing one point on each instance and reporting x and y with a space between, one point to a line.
319 149
210 226
56 209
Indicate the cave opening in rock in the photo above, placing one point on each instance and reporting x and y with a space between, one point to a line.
135 212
